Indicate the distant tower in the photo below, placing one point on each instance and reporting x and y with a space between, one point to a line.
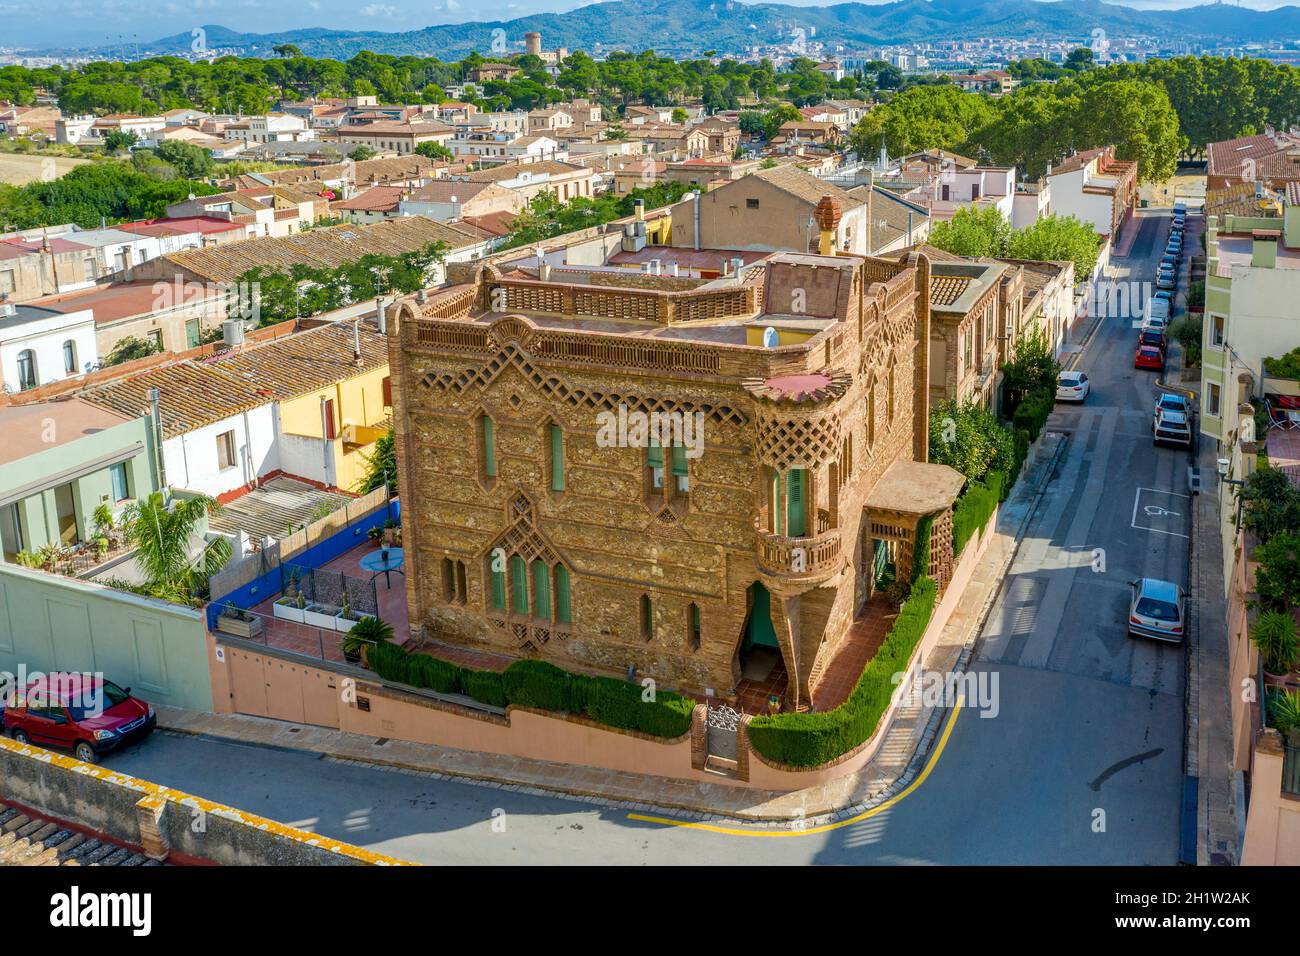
827 215
533 43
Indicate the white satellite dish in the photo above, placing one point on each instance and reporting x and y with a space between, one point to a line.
770 338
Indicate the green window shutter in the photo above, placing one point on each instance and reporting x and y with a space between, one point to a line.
498 586
563 605
519 582
557 458
489 448
796 505
679 461
655 455
776 503
541 590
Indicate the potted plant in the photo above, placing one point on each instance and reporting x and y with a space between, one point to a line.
320 615
291 607
1274 634
367 631
101 547
347 619
1284 713
375 533
390 533
238 622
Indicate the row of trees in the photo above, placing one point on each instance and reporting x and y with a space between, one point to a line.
546 217
302 290
113 191
976 231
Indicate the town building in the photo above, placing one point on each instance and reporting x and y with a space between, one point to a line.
39 345
1271 158
399 137
564 535
1096 188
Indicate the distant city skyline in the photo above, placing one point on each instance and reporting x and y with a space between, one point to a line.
93 23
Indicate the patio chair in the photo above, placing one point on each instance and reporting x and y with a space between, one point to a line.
1278 418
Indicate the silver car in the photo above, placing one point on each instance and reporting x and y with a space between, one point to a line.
1157 609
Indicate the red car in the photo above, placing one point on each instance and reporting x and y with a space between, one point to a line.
79 712
1148 356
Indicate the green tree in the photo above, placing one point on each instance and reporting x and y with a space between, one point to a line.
381 465
130 348
192 162
973 231
969 438
169 550
361 153
119 140
1057 238
435 151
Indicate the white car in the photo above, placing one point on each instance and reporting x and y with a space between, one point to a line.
1072 387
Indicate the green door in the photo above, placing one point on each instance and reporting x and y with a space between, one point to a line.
796 503
759 630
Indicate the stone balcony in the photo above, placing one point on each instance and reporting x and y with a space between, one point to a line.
799 559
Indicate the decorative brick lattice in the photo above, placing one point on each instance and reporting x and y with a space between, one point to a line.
785 443
555 388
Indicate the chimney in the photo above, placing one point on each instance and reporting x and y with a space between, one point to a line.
356 341
544 271
1263 249
737 266
638 210
6 307
155 412
676 270
381 317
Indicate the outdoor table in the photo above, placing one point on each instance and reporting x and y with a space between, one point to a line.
384 561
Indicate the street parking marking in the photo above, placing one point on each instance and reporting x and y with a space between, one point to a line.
1157 512
827 827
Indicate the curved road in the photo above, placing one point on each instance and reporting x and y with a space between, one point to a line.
1081 765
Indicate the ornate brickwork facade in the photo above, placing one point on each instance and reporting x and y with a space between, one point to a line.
538 521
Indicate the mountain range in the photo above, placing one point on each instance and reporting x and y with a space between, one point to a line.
690 27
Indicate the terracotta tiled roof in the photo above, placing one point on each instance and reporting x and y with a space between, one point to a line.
192 395
511 170
945 290
806 186
370 170
1241 199
1224 158
320 248
301 363
374 199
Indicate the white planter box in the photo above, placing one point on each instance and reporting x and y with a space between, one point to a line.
343 624
288 612
320 615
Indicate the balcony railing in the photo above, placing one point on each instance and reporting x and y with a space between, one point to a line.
799 558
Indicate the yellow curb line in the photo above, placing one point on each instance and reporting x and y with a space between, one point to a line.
825 828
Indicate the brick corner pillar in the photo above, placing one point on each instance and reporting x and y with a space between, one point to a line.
699 736
742 748
149 813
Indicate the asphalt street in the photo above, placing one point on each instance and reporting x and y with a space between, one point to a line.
1081 765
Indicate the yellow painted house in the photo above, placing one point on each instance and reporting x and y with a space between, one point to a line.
332 388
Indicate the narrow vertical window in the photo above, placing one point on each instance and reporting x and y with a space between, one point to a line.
519 584
557 458
563 600
541 590
655 462
461 589
489 447
647 619
681 473
795 503
498 577
448 580
693 628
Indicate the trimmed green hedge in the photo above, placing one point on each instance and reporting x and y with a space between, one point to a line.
543 686
921 554
1033 411
810 740
975 507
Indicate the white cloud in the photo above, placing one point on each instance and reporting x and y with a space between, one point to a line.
379 10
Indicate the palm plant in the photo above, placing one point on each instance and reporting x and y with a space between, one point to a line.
1275 636
161 538
368 630
1284 712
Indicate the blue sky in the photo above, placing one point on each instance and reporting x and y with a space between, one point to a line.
95 22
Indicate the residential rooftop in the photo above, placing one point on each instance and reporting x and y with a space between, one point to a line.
31 429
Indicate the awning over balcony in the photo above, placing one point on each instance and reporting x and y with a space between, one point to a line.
915 487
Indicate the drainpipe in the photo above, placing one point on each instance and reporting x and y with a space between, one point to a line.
155 411
695 197
324 438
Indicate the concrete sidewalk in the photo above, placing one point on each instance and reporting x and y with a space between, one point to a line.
902 755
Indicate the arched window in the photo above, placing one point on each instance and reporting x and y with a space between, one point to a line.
541 590
563 600
497 577
26 369
518 585
70 357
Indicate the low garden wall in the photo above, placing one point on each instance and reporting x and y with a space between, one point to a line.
162 823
